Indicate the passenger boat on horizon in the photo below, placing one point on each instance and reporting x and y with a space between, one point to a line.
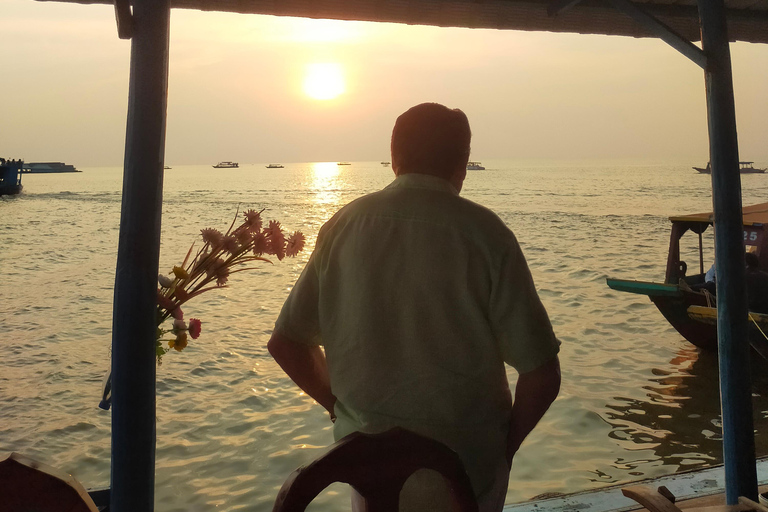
48 167
226 165
744 168
275 166
475 166
689 308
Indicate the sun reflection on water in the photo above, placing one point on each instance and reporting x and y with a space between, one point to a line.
326 183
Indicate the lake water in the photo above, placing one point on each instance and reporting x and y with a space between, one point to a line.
637 400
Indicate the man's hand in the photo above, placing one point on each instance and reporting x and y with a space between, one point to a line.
534 393
306 366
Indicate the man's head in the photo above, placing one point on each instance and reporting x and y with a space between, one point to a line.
432 139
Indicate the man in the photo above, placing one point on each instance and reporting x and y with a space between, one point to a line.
419 297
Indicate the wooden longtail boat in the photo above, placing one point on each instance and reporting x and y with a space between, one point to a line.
680 291
744 168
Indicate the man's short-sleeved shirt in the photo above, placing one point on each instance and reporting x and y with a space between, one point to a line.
419 297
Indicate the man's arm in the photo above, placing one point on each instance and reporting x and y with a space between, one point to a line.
306 366
534 393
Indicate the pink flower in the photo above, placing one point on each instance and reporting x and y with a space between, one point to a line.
260 244
230 244
195 328
295 244
222 273
214 266
212 236
276 240
274 228
244 236
253 220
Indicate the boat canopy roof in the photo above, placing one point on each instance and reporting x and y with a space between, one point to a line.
754 214
747 19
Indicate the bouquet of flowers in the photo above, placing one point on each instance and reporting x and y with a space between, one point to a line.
220 255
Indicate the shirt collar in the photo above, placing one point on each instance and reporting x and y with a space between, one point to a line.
425 181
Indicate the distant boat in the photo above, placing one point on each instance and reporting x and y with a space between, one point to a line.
275 166
475 166
226 165
48 167
167 167
10 176
744 168
385 164
342 163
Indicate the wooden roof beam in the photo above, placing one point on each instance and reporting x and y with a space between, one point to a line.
661 30
124 19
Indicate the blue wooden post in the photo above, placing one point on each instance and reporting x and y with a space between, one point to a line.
733 345
134 323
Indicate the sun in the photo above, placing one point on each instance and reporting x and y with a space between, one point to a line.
324 81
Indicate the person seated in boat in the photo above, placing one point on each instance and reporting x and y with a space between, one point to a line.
757 285
709 284
711 275
419 298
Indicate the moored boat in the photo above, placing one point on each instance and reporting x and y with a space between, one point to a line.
744 168
10 176
226 165
679 291
275 166
48 167
475 166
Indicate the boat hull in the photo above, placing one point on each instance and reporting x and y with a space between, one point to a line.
10 190
743 170
675 310
690 313
673 303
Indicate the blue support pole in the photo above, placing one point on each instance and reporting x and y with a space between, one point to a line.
733 343
134 323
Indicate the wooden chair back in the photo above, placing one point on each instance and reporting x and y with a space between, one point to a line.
377 466
29 485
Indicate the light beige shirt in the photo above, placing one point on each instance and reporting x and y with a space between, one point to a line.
419 297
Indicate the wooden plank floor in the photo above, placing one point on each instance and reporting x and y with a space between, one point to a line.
698 503
693 489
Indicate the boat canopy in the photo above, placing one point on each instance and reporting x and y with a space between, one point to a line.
747 19
755 214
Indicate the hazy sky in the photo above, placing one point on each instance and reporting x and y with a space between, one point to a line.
237 90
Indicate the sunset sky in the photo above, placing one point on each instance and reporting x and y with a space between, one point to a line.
260 89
